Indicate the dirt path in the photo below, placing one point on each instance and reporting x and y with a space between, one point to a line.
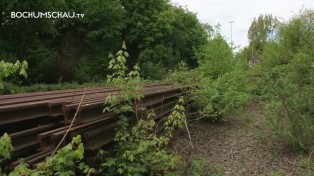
234 148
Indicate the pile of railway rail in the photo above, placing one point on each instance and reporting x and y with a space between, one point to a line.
36 122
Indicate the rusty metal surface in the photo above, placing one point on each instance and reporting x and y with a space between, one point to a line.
40 136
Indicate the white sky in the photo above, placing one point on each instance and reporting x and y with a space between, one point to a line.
242 12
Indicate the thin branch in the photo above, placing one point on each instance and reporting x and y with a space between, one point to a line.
309 163
196 119
72 122
186 126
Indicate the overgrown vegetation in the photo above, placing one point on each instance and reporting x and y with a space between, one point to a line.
220 80
67 161
11 88
157 33
5 147
287 73
281 75
7 69
197 166
140 150
165 40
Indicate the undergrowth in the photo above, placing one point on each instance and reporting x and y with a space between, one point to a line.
139 150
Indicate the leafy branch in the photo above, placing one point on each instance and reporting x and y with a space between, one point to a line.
7 69
138 150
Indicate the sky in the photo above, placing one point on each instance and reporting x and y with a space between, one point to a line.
242 13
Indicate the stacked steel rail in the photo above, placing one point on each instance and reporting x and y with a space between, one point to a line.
36 122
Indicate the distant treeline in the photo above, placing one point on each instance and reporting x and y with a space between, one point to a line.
158 36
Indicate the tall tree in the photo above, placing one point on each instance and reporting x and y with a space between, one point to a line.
215 58
262 30
148 23
158 35
298 33
102 34
27 38
189 34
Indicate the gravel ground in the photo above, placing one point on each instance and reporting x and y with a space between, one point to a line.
234 148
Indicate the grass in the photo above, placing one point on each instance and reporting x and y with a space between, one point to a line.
13 88
197 166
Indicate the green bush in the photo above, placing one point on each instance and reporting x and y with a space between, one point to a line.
67 161
139 149
197 166
215 58
153 71
183 76
156 62
91 69
290 112
5 147
216 98
289 81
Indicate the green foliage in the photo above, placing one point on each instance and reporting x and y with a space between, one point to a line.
23 38
153 71
102 24
223 80
304 163
5 146
216 98
188 36
215 58
91 69
290 112
139 150
155 62
262 30
160 35
197 166
58 50
23 169
298 33
7 69
66 162
183 76
144 24
219 170
11 88
176 118
286 79
129 84
307 164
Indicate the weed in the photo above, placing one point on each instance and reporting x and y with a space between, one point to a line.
197 166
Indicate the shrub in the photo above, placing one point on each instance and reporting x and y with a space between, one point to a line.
5 147
289 79
7 69
139 150
156 62
67 161
183 76
197 166
290 112
216 98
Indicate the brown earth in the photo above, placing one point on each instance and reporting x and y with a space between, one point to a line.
235 148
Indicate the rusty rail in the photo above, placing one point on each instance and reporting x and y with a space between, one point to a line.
36 122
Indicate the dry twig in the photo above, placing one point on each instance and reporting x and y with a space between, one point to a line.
72 122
